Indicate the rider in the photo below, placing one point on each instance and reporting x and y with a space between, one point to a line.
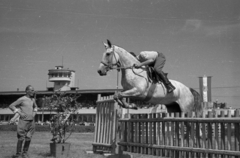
157 61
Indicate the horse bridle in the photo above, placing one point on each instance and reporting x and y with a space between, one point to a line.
118 64
111 66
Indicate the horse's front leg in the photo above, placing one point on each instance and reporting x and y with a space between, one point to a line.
134 92
119 97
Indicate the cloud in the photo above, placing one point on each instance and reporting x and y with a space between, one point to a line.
192 25
30 30
210 29
222 30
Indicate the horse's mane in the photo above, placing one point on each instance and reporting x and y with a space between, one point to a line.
132 54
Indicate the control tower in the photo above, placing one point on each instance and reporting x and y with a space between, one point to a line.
63 79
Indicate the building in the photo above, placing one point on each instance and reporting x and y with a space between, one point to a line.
88 98
63 80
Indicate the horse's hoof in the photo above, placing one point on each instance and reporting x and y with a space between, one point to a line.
133 106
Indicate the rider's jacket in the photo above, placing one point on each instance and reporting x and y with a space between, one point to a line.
146 55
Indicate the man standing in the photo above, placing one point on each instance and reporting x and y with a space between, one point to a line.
26 124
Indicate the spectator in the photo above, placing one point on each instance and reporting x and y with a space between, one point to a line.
26 124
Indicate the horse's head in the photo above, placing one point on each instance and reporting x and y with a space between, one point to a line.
109 59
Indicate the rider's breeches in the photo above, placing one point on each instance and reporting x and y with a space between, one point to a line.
25 129
159 62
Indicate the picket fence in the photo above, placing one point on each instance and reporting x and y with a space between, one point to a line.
215 134
182 135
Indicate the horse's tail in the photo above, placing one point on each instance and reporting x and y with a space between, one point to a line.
197 102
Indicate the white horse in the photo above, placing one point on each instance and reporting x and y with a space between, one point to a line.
136 85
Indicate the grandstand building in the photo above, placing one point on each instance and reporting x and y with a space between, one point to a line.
63 80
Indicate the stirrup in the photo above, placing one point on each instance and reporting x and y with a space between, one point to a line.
170 88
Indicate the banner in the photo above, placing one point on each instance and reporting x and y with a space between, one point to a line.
205 88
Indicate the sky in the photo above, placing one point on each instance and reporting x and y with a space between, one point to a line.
198 37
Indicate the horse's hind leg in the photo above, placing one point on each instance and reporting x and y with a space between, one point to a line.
197 135
187 132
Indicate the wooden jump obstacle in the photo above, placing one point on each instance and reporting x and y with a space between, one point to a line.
215 134
108 113
175 135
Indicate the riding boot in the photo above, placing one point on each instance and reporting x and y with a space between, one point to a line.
25 149
19 149
166 82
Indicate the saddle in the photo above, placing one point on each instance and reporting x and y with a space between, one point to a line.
153 76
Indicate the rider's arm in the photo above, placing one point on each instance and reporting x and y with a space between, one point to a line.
147 62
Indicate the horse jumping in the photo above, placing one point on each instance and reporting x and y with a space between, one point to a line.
136 85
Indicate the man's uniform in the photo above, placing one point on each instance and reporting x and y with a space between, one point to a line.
26 126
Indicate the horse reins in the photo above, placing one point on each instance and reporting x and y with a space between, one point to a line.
118 65
111 66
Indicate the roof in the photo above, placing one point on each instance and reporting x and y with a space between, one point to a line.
54 71
86 91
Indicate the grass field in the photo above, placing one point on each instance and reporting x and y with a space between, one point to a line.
80 143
